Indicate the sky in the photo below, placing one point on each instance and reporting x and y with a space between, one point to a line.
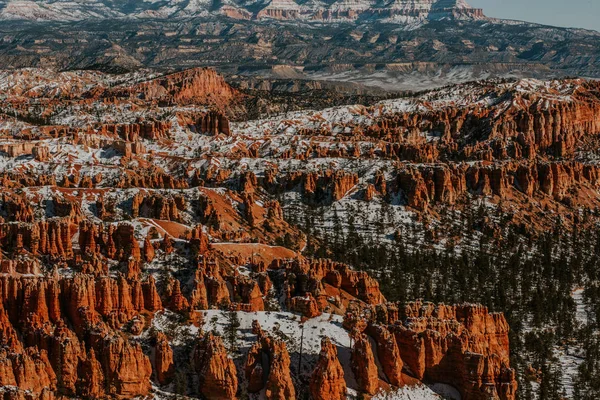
570 13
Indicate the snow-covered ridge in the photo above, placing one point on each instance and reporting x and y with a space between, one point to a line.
490 93
401 11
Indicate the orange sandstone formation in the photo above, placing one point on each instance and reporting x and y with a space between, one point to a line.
327 382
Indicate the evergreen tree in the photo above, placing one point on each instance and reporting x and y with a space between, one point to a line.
231 330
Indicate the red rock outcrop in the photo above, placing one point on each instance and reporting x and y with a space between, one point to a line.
199 297
318 187
363 365
65 352
152 301
41 153
306 305
17 208
193 86
51 237
387 353
163 359
127 369
248 292
199 241
122 244
174 298
78 291
278 383
254 370
369 192
148 250
316 272
88 238
154 178
167 244
90 383
29 370
157 206
151 129
212 123
42 308
426 185
76 299
216 371
327 381
464 346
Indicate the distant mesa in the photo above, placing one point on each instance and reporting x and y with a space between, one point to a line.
400 11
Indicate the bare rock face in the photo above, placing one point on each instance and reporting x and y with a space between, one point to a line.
90 382
152 301
148 250
363 365
216 371
131 133
127 369
361 285
306 305
425 186
65 351
461 345
317 272
163 359
327 382
387 353
42 309
29 370
157 206
369 192
199 298
199 85
167 244
88 237
52 238
326 14
41 153
326 186
211 123
65 208
278 383
177 302
342 185
254 370
124 243
199 241
248 292
17 207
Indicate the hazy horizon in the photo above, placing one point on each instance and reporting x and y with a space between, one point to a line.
573 14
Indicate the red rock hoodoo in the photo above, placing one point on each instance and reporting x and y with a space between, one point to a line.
327 382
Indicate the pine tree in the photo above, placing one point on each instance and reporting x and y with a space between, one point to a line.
231 330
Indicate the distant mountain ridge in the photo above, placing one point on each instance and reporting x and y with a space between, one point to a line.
389 44
400 11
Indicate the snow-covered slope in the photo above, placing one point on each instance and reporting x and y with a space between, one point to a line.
288 326
79 10
59 10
